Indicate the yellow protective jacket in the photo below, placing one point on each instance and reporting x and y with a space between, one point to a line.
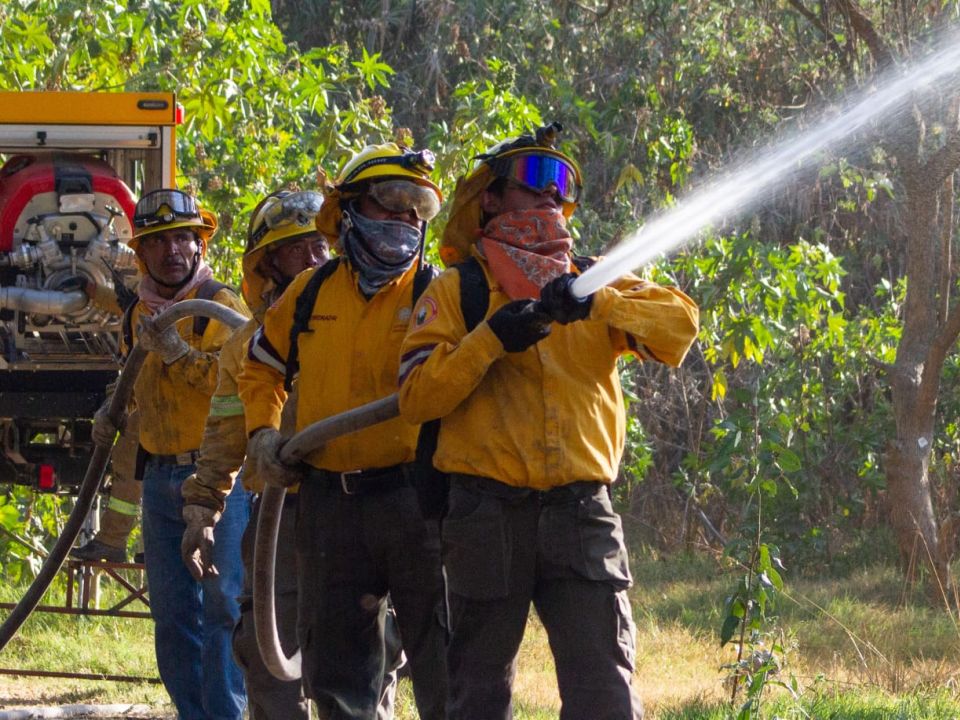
224 445
349 357
552 414
174 399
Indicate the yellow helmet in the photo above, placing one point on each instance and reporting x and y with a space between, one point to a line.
388 161
529 160
281 217
168 209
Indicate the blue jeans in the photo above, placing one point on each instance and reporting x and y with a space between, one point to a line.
194 621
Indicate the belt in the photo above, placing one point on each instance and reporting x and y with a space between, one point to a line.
189 457
559 495
365 482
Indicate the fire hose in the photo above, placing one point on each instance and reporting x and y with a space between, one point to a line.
268 525
98 461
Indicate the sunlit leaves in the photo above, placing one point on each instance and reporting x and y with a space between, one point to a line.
255 104
372 71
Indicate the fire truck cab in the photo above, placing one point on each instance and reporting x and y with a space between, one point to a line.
73 165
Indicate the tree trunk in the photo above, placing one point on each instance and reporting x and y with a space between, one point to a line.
931 321
915 384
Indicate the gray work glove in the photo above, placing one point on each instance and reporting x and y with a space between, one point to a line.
104 432
166 343
263 452
196 548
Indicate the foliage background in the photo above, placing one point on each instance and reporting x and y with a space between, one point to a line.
778 419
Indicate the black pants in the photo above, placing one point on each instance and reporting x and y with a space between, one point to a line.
563 550
354 550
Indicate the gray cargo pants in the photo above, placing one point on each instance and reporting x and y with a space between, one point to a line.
357 542
268 697
562 550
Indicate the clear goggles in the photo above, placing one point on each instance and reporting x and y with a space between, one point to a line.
537 172
403 195
164 206
299 208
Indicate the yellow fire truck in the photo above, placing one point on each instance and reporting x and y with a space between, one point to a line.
74 164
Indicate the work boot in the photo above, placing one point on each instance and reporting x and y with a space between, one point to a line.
96 550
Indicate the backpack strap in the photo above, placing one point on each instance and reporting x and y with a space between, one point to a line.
432 485
207 290
126 324
474 292
301 317
425 275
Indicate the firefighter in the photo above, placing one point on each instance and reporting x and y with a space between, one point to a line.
194 620
360 534
531 432
282 241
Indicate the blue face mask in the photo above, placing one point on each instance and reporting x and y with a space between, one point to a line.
379 250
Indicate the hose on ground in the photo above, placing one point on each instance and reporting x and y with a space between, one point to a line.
98 461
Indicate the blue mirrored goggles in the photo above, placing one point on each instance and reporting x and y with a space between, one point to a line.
537 172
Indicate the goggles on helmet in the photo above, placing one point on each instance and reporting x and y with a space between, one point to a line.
299 208
164 206
403 195
421 162
537 172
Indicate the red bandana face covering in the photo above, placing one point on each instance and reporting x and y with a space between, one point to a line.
526 249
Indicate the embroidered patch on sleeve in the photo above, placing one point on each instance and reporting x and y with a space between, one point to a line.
426 312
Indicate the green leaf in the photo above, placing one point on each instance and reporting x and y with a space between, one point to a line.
730 625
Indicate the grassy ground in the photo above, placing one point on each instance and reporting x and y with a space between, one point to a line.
863 647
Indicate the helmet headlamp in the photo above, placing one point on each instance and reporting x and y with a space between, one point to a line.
421 162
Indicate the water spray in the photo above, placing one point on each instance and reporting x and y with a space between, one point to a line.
738 190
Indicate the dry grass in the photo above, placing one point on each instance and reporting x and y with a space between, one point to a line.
863 637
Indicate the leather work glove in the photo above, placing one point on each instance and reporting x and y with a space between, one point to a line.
559 302
196 547
104 432
166 343
263 452
518 325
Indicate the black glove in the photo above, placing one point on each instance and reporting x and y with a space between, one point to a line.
518 325
559 302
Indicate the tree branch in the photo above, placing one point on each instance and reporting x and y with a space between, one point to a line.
812 19
945 161
597 14
865 30
944 340
824 30
945 211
